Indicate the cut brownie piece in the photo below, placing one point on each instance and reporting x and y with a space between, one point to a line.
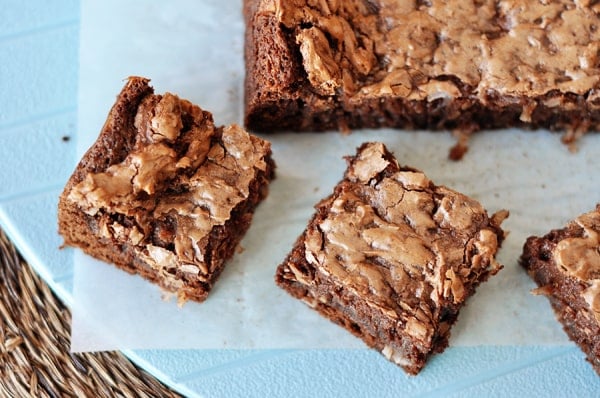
565 264
392 257
163 192
313 65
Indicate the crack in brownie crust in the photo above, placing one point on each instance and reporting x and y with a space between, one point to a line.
163 192
565 264
392 257
328 64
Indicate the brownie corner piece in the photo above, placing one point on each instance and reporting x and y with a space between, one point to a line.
565 264
163 192
392 257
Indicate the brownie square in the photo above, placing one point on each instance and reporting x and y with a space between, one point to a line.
422 64
392 257
565 264
163 192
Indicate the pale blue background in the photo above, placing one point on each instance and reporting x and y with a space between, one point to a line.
38 106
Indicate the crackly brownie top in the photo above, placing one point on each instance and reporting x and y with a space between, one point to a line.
419 49
578 256
407 246
182 177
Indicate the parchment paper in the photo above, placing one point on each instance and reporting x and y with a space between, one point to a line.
195 49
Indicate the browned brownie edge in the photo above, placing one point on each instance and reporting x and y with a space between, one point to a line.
271 69
115 141
278 97
350 310
564 293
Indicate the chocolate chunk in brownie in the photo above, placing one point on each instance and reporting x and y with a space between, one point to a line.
464 65
163 192
392 257
565 264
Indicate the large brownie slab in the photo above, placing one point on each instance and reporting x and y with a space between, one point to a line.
466 65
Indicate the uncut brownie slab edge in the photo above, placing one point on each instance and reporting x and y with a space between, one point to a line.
163 192
392 257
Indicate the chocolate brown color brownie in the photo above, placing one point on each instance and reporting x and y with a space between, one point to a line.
163 192
392 257
469 65
565 264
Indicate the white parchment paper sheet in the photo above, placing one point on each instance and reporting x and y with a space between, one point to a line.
195 49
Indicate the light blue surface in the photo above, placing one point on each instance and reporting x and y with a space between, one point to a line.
38 73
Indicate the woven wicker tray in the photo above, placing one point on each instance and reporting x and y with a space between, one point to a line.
34 345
